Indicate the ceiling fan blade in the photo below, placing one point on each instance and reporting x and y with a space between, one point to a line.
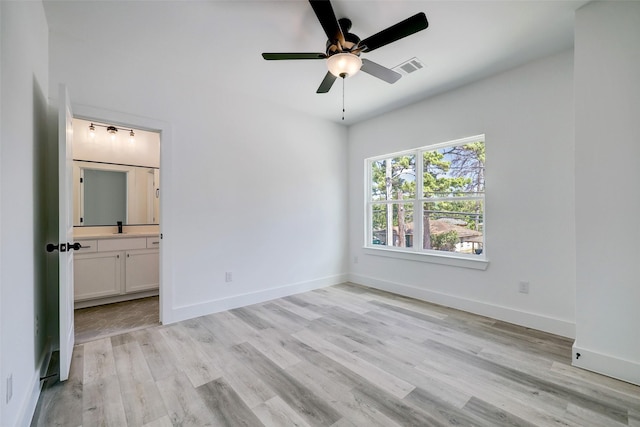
417 22
377 70
293 55
327 17
326 84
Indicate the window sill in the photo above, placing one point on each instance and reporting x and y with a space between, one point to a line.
451 260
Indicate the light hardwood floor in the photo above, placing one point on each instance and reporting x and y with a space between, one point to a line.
341 356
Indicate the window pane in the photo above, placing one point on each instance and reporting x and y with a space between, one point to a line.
378 187
402 177
454 171
454 226
392 224
379 224
402 225
394 179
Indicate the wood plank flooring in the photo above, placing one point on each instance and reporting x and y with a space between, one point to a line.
342 356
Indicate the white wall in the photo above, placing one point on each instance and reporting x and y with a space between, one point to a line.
247 188
24 87
607 87
527 116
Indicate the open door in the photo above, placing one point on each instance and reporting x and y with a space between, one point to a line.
65 231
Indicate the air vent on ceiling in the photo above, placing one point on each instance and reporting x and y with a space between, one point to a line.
408 67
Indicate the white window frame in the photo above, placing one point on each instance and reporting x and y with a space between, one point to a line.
416 252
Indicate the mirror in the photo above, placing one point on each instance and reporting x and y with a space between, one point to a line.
106 193
105 197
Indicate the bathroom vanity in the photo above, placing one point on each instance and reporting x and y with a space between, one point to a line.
116 180
116 267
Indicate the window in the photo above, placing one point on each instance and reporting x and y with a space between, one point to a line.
429 200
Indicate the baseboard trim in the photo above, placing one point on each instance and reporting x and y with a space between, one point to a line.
28 407
604 364
213 306
117 298
529 320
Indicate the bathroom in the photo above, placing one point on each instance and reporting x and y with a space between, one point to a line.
116 218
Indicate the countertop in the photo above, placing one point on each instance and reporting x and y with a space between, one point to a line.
111 232
114 236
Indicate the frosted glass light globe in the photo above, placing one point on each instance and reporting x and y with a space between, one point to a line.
344 63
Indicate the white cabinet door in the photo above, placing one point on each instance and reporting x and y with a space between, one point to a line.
98 275
142 270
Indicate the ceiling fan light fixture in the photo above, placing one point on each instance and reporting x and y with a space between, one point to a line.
344 64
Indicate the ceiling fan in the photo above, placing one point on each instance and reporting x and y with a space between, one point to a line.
344 48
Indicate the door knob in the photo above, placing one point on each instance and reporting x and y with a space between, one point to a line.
75 246
63 247
51 247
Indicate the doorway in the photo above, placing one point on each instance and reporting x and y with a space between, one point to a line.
117 270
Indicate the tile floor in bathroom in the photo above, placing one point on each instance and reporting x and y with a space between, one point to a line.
102 321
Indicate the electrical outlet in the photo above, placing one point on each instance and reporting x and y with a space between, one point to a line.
9 388
37 326
228 277
523 287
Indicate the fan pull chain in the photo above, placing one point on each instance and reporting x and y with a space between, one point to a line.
343 98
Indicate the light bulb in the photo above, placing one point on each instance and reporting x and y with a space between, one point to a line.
112 130
92 131
131 136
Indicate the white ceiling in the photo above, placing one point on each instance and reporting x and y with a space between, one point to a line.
218 43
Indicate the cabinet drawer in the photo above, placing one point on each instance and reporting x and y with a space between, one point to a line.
153 242
87 246
122 244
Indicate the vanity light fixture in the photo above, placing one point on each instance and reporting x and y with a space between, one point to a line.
111 130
